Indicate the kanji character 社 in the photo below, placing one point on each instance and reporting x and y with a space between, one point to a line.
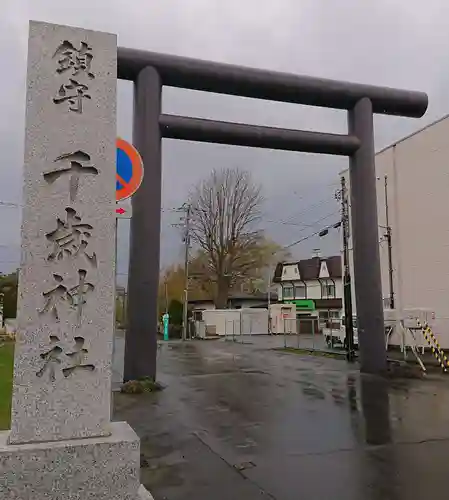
51 359
78 357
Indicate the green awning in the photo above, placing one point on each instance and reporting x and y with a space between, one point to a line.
303 304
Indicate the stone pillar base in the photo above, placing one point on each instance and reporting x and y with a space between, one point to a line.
106 468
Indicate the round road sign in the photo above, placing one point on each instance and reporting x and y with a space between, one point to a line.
129 172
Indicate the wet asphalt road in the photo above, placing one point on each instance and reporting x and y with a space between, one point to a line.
247 422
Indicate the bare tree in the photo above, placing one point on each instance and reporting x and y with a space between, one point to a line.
225 211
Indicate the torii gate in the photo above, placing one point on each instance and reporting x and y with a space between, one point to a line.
150 72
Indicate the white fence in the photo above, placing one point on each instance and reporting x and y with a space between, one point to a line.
228 322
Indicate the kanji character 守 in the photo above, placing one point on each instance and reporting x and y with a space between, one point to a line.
74 92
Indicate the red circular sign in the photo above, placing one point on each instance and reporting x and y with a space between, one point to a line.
129 170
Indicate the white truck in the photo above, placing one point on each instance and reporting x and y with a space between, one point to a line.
335 332
396 327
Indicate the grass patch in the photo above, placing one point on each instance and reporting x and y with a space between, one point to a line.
140 386
6 372
312 352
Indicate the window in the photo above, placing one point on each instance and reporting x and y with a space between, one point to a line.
329 314
329 319
328 290
300 291
287 292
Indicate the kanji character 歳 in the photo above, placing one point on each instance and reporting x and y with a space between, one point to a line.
51 359
70 238
78 357
76 164
74 92
76 60
55 296
79 292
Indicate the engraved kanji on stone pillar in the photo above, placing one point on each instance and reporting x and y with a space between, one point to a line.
62 376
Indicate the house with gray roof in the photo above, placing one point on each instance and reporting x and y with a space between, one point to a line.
315 286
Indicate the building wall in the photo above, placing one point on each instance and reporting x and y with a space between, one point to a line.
237 321
241 304
417 171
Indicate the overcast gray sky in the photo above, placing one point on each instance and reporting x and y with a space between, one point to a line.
397 43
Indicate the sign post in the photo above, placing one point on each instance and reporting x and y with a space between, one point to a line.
165 319
129 173
128 177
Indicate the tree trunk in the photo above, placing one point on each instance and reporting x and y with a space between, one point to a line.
221 300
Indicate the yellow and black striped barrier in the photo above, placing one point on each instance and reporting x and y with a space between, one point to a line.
435 346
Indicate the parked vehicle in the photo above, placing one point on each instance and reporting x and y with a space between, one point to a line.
335 333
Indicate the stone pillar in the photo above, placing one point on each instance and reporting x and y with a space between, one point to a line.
62 443
143 281
365 241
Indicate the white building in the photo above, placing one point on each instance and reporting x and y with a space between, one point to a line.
417 174
314 286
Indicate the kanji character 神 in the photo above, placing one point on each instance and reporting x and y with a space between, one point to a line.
76 164
70 238
79 292
76 60
55 296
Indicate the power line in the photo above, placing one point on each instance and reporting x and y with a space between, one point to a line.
8 204
305 226
321 219
307 209
301 191
309 236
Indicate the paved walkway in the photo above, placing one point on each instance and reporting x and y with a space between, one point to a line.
246 422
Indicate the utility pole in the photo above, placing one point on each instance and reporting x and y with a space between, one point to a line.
390 253
347 293
187 209
269 297
166 296
1 309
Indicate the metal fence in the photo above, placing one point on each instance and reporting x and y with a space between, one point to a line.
305 333
236 330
